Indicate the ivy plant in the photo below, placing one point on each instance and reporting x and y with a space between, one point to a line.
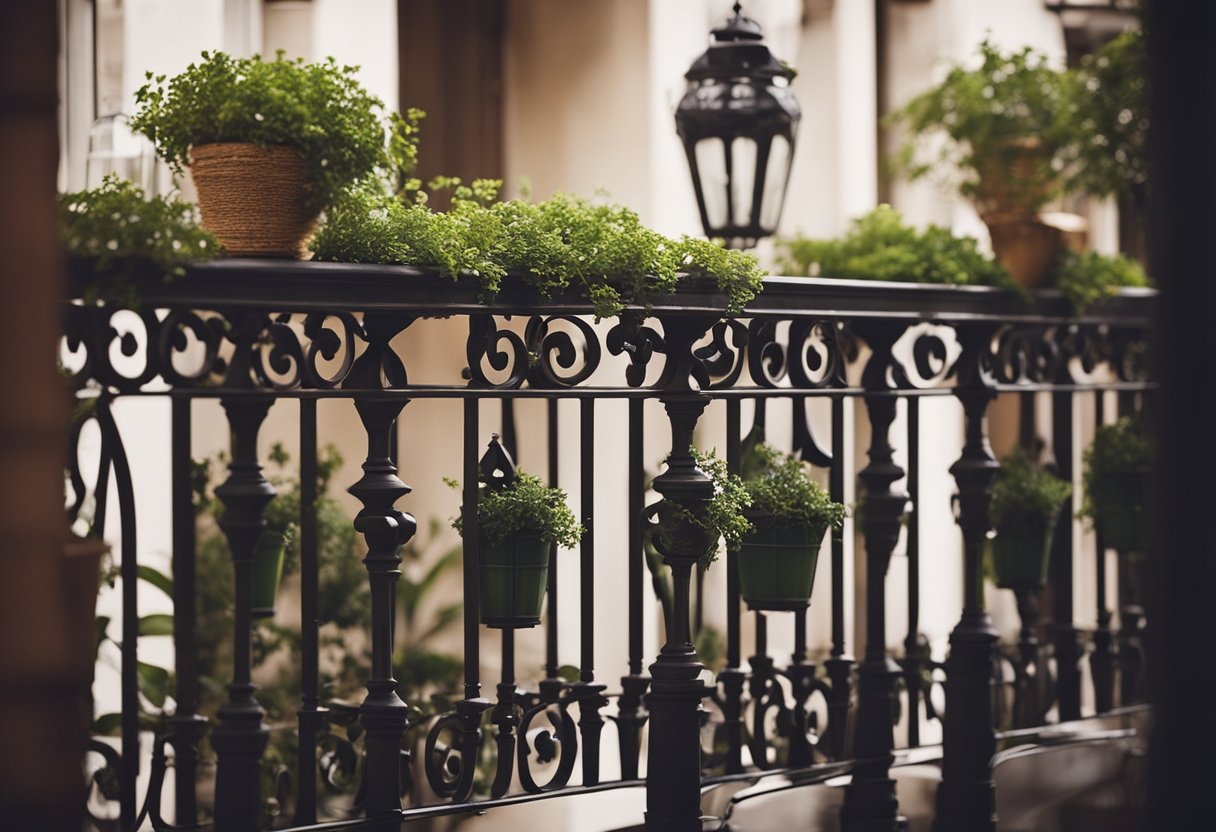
968 125
526 505
122 232
319 108
603 251
721 517
784 495
880 246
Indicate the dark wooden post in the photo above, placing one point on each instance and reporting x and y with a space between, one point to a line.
673 781
870 802
966 799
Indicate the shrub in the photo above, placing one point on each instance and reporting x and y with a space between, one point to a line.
1117 448
1025 494
526 505
783 494
1085 277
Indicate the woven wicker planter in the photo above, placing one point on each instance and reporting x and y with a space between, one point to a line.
252 198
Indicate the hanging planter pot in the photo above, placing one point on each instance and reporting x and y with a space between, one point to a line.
253 198
1021 553
1121 517
777 564
267 572
514 576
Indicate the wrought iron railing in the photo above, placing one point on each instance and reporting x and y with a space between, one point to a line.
251 333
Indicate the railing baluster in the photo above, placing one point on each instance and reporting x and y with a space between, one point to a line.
731 677
839 665
551 686
587 692
1102 660
1131 599
870 801
1065 635
914 660
240 737
188 725
311 717
632 713
966 797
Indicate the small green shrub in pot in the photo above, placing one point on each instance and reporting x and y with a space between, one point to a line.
518 519
1026 500
682 532
270 143
789 514
1116 485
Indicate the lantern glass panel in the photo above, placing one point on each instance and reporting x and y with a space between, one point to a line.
742 178
711 168
775 178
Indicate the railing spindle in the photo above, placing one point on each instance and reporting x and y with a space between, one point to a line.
839 665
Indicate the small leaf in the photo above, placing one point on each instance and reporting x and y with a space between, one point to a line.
99 632
157 578
107 725
568 673
153 683
158 624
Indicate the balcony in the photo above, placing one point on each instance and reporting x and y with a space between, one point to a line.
772 738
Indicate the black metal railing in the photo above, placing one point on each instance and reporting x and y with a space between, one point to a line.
253 334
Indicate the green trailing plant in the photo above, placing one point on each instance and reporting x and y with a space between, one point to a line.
1118 448
320 109
880 246
697 533
973 121
1086 277
1113 119
123 233
526 505
782 493
602 251
1025 494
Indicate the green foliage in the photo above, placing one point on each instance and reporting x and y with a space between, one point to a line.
880 246
601 250
1085 277
121 230
1025 493
1112 119
980 112
721 517
526 505
1117 448
320 109
783 494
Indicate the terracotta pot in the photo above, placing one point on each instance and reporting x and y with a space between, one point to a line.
1025 245
777 565
253 199
1012 180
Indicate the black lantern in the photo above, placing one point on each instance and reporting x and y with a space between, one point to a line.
737 120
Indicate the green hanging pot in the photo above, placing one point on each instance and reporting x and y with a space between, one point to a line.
1021 552
514 576
1120 500
777 564
267 572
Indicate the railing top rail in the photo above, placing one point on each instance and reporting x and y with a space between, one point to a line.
313 287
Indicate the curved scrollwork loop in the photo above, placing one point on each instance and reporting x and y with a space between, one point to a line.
767 695
111 347
181 329
103 782
1128 355
724 359
556 356
819 354
281 366
930 358
766 355
444 762
502 349
558 741
1083 346
79 336
631 337
1026 355
327 343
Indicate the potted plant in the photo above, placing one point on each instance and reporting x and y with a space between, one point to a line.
268 143
682 532
1008 130
789 514
1116 485
519 518
1026 500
